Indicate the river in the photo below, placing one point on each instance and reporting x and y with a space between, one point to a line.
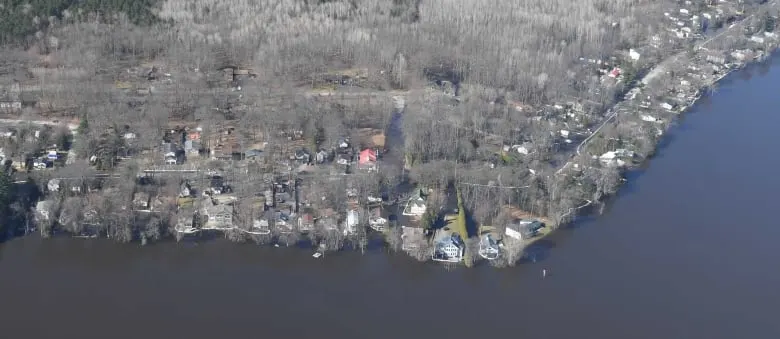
688 250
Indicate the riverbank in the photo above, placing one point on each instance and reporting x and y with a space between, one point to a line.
645 283
633 112
669 90
667 93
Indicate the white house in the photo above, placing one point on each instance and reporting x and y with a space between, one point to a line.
42 209
53 185
523 149
650 118
259 227
353 219
522 229
615 158
415 206
634 55
449 247
488 247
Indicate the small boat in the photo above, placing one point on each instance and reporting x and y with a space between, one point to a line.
316 255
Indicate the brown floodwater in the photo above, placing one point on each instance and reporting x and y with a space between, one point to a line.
688 250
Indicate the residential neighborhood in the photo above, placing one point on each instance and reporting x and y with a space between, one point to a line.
449 170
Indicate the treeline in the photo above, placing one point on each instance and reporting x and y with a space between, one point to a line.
21 19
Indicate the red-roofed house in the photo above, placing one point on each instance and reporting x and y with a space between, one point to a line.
367 158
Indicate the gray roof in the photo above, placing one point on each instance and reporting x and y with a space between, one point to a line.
444 237
254 153
525 225
219 209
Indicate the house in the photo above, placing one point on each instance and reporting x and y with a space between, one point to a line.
305 222
185 222
42 209
282 222
377 223
650 118
522 229
321 156
53 185
624 153
634 55
185 190
217 186
718 59
523 149
367 158
614 73
343 143
170 158
615 158
10 106
90 217
157 203
352 221
519 106
194 135
260 226
254 155
7 133
327 222
757 39
192 147
141 200
219 216
301 155
415 206
448 246
344 159
167 147
667 106
488 247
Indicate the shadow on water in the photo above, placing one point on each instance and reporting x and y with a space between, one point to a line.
538 251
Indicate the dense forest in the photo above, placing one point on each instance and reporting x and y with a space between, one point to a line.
474 79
